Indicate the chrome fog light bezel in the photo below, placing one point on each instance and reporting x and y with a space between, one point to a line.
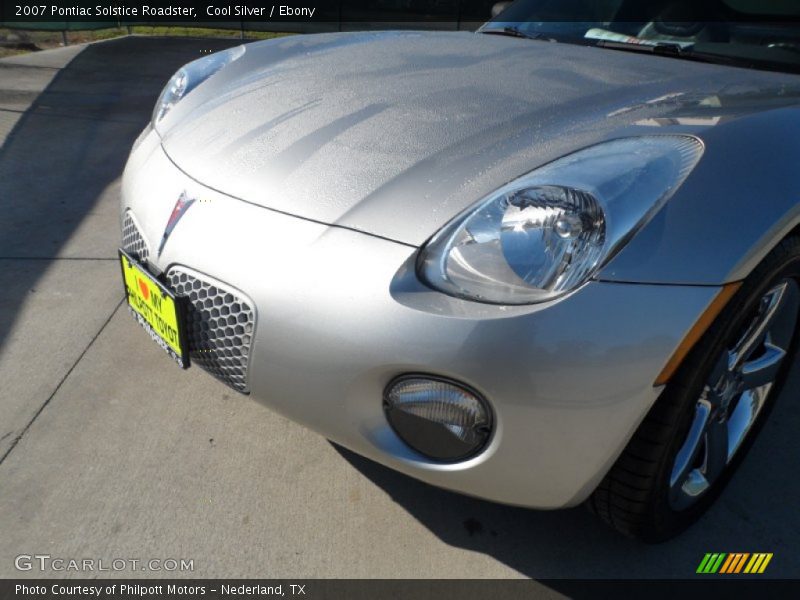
429 432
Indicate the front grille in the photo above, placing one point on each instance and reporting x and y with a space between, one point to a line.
219 325
132 241
219 321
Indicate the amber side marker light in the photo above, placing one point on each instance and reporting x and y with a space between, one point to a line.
697 331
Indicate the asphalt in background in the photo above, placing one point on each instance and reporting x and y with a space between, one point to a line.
109 451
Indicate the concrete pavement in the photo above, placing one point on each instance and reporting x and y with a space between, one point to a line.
107 450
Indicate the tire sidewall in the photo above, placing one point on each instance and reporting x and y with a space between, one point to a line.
688 383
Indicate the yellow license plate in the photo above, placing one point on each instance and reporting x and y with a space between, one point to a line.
156 309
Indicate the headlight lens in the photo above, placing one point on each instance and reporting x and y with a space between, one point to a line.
190 76
548 232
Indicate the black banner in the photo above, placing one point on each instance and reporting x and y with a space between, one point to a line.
348 589
263 12
131 12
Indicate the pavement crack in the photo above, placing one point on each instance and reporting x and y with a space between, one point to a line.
16 440
18 66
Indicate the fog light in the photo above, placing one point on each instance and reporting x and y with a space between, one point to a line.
440 419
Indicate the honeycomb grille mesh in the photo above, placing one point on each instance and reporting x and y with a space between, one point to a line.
132 240
219 326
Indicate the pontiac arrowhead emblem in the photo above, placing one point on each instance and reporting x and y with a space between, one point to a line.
180 208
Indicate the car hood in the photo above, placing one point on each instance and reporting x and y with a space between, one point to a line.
394 133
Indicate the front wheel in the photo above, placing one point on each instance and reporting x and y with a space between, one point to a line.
708 415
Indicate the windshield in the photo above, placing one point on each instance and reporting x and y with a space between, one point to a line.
761 34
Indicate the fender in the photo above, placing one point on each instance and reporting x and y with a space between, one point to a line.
738 203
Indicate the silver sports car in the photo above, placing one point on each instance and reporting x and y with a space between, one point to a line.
544 264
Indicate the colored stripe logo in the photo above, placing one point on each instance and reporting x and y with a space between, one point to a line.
734 562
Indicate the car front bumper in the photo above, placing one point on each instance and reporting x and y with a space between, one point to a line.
339 314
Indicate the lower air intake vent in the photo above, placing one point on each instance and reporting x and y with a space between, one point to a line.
220 326
132 240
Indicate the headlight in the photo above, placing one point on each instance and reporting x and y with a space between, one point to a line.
190 76
549 231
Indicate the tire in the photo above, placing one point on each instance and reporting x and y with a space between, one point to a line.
644 494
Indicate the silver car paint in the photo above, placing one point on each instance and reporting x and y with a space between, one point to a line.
394 133
340 313
325 161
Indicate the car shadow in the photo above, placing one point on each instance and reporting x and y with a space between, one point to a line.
70 144
60 165
558 545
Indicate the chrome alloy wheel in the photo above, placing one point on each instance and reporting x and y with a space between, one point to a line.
734 395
